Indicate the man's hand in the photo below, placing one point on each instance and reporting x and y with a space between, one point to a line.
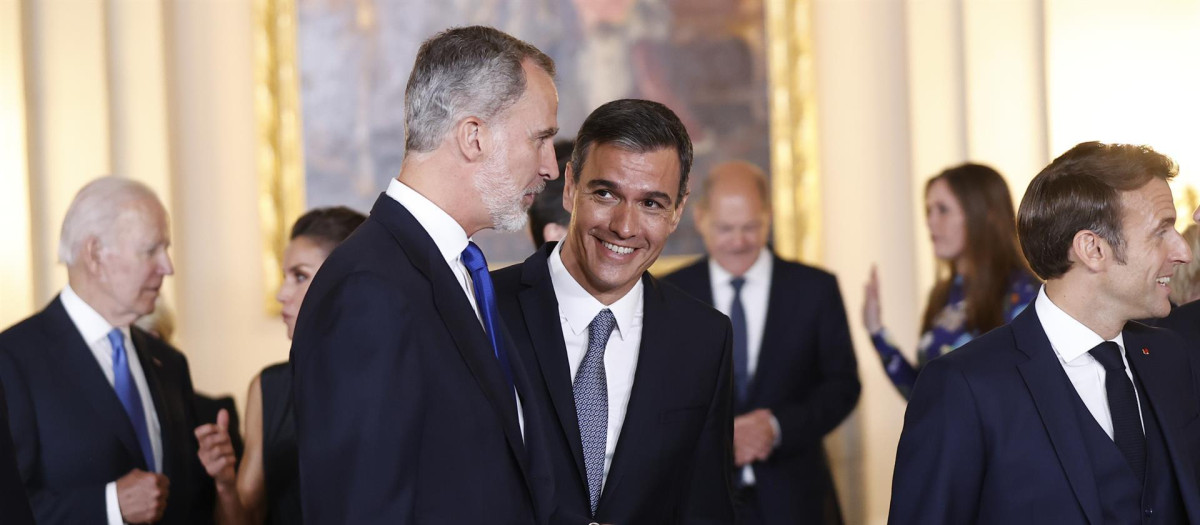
753 437
142 496
216 451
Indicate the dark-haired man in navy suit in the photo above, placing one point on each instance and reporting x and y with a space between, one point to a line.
1072 413
795 375
634 373
411 403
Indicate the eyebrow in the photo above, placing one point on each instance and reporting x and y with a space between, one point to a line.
609 185
546 133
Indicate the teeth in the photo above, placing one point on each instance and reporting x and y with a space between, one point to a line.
1164 280
617 249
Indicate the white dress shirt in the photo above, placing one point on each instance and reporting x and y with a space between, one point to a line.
1072 341
94 329
756 294
451 240
576 309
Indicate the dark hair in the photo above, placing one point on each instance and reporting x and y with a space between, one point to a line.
1080 190
462 72
548 205
991 253
327 226
637 126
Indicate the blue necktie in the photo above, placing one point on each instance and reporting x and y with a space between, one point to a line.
737 316
591 402
128 393
485 296
1122 404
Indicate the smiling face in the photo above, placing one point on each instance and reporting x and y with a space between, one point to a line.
301 260
1153 248
736 221
522 155
623 209
946 220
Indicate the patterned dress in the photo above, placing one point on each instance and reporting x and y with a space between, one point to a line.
948 331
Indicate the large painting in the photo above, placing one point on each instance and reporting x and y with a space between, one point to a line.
706 60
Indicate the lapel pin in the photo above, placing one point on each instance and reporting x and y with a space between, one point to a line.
1146 351
159 363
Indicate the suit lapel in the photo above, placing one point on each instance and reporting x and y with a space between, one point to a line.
75 358
653 364
540 308
1051 391
151 369
1163 375
780 311
458 316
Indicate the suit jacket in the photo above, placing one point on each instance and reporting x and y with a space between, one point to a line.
992 434
806 376
72 435
1185 321
672 459
403 414
14 502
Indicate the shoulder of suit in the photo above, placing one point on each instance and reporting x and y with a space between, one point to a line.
508 275
988 352
158 348
804 271
682 303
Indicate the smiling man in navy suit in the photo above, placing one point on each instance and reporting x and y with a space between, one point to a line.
411 403
1072 413
101 412
795 375
634 373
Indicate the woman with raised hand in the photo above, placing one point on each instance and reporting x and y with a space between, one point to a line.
983 280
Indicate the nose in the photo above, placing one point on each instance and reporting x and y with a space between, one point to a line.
548 167
167 268
282 295
1183 253
1196 215
624 220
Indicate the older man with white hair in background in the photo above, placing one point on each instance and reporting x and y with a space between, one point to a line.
101 412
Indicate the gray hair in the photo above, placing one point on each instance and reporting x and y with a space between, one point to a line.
94 212
461 72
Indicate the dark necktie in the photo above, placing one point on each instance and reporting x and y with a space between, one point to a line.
127 392
485 297
591 402
741 358
1122 403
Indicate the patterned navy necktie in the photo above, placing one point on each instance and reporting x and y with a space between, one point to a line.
127 392
591 402
1122 404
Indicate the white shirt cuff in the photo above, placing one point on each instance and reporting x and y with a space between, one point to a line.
111 504
778 432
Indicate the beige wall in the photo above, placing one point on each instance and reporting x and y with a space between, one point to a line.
162 91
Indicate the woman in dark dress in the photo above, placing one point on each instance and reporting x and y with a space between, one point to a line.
267 481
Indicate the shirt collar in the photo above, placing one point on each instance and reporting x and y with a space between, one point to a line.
1069 337
447 234
578 306
91 325
759 272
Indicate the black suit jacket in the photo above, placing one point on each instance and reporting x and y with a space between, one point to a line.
403 414
14 502
806 376
71 433
672 461
991 434
1185 320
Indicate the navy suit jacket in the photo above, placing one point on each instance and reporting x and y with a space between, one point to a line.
71 433
806 375
992 436
672 461
403 414
1185 321
14 502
